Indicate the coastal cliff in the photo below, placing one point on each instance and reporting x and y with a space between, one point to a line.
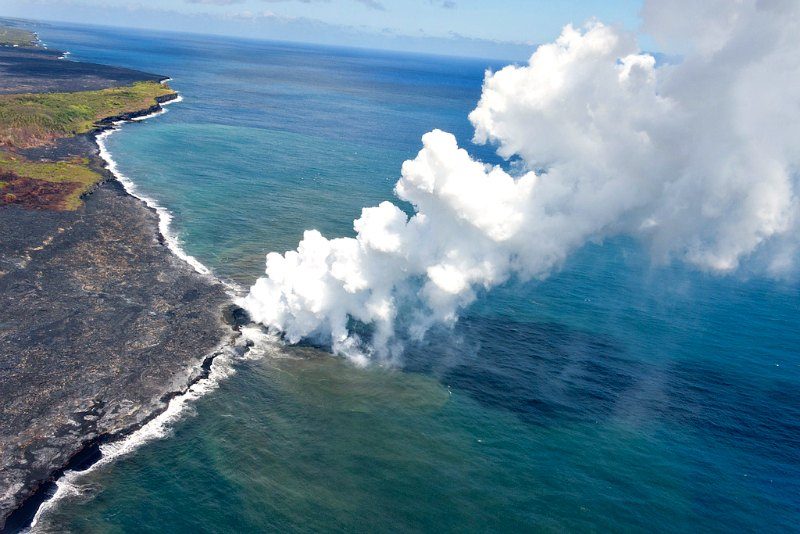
100 324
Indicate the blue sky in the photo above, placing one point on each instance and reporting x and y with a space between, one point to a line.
468 27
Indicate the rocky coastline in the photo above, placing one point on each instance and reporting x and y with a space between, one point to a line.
100 326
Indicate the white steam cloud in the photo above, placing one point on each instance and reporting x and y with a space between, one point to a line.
698 160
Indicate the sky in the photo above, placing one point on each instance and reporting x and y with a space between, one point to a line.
500 29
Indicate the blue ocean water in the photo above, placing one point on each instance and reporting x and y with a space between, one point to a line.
612 396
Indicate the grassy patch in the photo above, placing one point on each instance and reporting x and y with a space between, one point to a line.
16 37
30 120
33 119
76 173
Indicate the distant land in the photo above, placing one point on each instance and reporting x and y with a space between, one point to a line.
10 36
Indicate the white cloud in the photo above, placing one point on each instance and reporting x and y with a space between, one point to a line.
699 161
214 2
373 4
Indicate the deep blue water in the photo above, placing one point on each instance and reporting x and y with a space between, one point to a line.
612 396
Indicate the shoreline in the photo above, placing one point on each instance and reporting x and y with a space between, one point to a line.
164 216
112 125
214 368
154 422
106 448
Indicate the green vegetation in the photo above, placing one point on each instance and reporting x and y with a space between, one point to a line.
75 172
33 119
59 171
16 37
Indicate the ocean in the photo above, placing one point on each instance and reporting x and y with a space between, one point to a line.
614 395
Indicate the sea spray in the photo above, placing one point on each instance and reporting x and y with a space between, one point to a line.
698 161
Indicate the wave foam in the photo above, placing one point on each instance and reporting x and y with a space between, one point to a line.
258 343
159 427
164 216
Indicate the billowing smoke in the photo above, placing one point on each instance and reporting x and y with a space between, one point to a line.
697 159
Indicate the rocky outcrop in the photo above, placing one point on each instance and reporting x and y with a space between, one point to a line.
99 325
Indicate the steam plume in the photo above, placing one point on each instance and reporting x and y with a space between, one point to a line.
698 160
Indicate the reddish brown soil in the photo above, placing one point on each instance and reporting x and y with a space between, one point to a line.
34 194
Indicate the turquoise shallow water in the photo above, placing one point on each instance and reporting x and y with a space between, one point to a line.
612 396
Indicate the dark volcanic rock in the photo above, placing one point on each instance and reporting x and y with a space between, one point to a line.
62 148
99 323
36 70
235 316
